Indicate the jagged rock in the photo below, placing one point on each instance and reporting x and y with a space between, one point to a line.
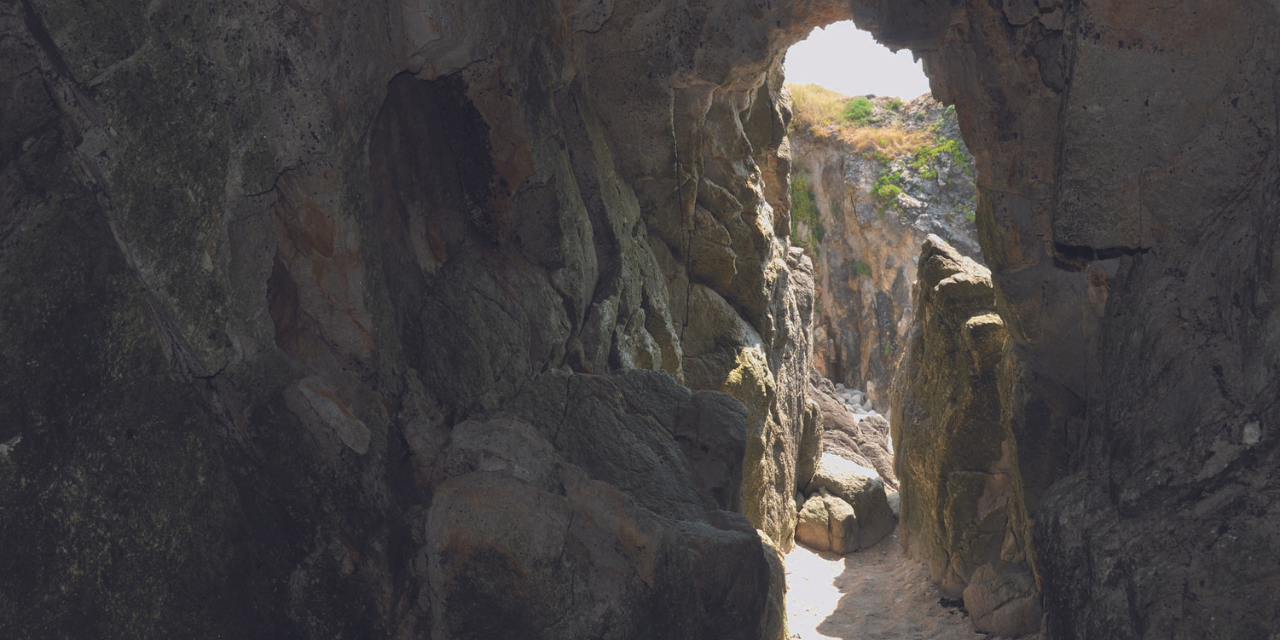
952 450
258 261
864 247
863 441
520 540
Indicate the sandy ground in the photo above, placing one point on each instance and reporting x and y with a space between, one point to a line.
872 594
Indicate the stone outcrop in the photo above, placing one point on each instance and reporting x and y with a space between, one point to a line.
952 450
319 318
259 261
1126 163
547 525
961 491
873 204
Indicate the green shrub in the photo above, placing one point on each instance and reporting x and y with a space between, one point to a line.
925 160
886 190
894 104
862 269
804 208
857 110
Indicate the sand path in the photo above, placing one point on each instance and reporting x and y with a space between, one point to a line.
869 595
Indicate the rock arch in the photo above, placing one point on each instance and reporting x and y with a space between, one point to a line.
223 405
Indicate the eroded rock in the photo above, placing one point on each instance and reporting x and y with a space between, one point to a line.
952 449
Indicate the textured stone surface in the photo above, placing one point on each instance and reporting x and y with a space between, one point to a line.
828 523
952 460
259 260
520 542
862 490
1002 599
865 252
1126 156
864 441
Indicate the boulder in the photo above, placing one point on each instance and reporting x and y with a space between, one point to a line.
827 523
1002 599
846 434
859 488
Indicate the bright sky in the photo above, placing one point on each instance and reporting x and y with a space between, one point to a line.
849 61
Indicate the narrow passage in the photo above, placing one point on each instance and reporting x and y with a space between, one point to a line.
872 594
877 592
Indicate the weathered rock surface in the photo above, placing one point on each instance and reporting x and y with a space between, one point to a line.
862 489
259 260
861 440
828 523
262 263
519 538
873 209
1127 172
952 449
1002 598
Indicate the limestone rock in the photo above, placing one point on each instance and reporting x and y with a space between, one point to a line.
861 489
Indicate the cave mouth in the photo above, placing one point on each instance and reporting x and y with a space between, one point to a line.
878 166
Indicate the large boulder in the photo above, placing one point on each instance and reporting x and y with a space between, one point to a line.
862 490
1002 599
520 542
863 440
828 523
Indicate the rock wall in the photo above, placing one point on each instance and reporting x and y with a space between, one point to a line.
874 207
261 262
328 319
1127 178
954 454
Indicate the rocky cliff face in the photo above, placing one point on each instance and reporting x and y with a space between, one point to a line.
954 454
866 191
331 320
293 289
1127 180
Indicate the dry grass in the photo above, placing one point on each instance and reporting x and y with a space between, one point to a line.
817 112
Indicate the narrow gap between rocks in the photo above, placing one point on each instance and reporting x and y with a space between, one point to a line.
872 177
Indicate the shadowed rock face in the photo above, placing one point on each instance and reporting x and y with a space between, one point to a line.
1127 182
261 262
327 320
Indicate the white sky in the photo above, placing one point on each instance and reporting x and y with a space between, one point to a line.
849 61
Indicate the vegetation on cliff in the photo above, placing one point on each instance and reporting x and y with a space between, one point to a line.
915 143
865 123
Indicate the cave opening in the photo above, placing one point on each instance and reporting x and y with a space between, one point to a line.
878 166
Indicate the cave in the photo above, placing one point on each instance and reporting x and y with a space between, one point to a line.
483 320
